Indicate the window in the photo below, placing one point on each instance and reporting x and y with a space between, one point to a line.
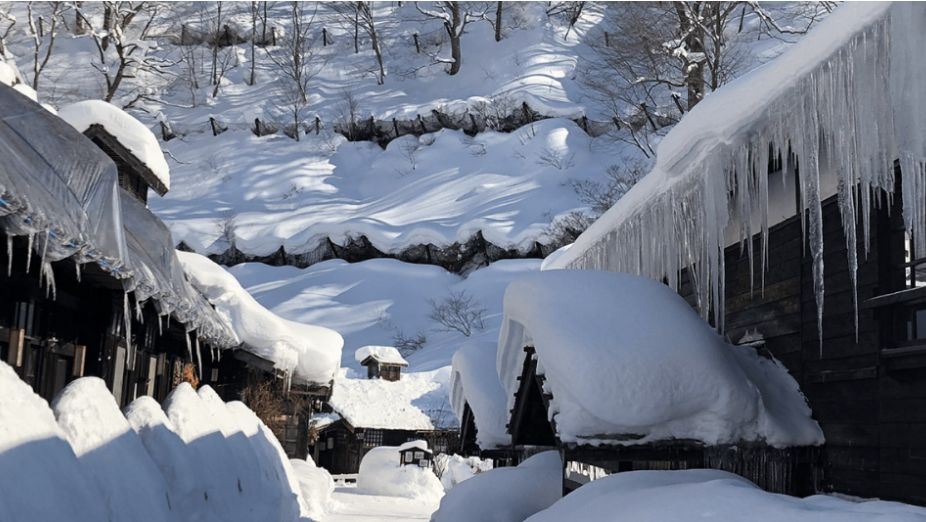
372 438
419 455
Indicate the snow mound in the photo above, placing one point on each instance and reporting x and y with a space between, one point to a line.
381 474
506 494
456 468
381 354
676 496
313 353
406 404
128 131
132 485
32 444
608 342
316 487
184 479
7 74
474 381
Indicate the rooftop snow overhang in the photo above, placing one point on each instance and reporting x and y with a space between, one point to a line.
846 102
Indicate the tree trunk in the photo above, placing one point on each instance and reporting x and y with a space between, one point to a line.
694 70
107 24
79 27
253 39
498 22
454 30
357 28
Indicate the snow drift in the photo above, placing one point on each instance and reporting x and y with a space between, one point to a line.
505 494
381 474
608 343
676 496
36 459
315 485
313 353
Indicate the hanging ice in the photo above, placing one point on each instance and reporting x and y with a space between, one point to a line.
837 110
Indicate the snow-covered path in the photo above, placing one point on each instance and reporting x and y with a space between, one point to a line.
350 505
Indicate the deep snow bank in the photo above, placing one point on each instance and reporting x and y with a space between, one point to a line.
111 452
35 460
609 342
505 494
315 485
381 474
677 496
312 352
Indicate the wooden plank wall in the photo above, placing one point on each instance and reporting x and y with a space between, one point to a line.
874 418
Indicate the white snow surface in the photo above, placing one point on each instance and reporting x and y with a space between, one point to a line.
457 468
608 343
474 381
111 452
416 402
315 485
312 352
506 494
370 302
32 444
381 354
129 132
419 444
680 496
847 99
381 474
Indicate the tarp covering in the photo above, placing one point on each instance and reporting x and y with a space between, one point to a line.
55 185
157 274
61 190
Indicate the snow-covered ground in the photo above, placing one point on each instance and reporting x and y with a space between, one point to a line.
348 504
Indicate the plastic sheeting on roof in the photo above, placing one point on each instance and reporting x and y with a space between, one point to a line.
73 204
157 274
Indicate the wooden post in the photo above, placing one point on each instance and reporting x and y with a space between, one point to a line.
417 46
273 36
17 341
607 40
528 117
372 126
257 128
395 127
324 37
421 124
318 125
216 130
80 358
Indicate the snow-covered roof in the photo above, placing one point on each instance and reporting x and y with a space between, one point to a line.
628 361
313 353
129 132
474 381
855 80
414 444
323 420
380 354
390 405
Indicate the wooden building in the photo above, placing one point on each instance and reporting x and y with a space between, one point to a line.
91 285
416 453
381 362
834 288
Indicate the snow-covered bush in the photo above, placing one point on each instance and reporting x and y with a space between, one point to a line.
381 474
505 494
315 485
453 469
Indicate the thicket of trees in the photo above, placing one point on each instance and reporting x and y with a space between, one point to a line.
649 62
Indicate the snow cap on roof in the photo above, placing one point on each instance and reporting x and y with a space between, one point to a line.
313 353
608 344
474 381
380 354
128 131
414 444
390 405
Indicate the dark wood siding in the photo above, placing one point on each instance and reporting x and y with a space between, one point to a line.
872 413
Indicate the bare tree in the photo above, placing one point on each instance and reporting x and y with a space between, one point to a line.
455 17
127 36
498 22
296 60
254 18
7 22
458 312
360 16
571 11
42 39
